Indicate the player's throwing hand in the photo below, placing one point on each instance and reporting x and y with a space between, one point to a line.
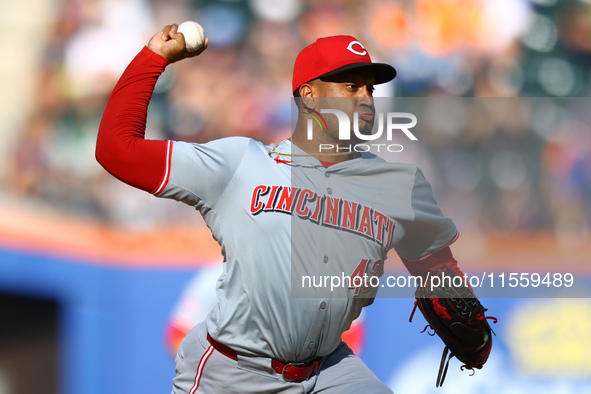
170 44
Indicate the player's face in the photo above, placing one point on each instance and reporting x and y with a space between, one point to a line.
349 92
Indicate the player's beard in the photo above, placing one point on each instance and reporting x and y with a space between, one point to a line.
364 125
361 117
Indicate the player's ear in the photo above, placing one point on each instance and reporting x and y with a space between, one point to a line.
308 93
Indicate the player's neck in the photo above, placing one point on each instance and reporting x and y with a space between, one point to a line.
322 148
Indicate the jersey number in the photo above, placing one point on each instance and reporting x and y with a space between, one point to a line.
360 280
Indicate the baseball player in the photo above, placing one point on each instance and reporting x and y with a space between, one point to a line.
282 211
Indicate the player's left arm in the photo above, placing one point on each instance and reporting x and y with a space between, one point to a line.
449 305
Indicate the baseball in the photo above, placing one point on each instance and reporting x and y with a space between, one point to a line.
194 35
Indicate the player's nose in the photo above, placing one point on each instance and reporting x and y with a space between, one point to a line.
365 96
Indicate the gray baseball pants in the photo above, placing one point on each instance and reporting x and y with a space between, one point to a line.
203 370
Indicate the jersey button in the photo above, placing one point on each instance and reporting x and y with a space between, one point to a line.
329 190
326 174
311 345
325 259
322 305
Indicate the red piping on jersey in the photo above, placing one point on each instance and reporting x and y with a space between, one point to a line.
278 160
166 175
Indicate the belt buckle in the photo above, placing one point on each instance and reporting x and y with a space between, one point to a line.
285 369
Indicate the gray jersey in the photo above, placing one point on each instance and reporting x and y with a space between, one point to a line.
275 220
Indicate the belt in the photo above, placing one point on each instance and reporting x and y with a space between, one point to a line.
291 372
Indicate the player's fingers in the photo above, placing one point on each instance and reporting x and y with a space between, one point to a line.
175 35
158 39
165 31
204 47
168 31
172 32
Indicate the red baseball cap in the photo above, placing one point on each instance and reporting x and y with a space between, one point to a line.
331 55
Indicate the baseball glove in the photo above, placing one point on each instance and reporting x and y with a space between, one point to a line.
457 317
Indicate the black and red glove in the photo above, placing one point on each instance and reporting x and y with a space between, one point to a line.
455 314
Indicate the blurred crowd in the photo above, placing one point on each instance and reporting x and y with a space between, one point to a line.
506 140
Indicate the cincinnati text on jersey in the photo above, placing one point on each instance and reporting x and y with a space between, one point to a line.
324 210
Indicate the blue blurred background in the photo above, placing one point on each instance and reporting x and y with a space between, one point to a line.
91 269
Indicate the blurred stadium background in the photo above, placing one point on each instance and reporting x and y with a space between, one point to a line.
90 269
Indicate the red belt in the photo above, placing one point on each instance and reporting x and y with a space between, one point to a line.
291 372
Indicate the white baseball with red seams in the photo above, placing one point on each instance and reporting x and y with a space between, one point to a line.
194 35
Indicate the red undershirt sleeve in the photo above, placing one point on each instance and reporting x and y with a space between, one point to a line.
121 147
439 258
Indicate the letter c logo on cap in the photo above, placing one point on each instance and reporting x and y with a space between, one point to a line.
356 52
